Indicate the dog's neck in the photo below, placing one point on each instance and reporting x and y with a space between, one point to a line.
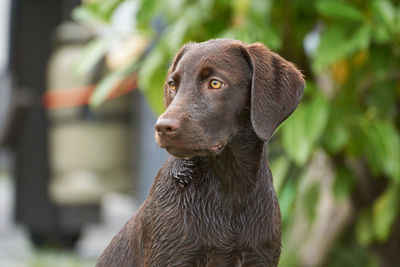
235 171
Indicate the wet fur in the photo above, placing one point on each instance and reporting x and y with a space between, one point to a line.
209 208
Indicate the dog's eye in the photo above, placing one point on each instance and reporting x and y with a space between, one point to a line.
215 84
172 85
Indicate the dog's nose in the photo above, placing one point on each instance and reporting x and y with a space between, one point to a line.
167 127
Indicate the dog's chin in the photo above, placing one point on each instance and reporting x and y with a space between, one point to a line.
179 150
187 152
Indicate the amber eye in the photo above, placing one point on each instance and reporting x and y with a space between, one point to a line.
215 84
171 85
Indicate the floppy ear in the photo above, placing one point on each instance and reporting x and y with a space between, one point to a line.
276 90
177 58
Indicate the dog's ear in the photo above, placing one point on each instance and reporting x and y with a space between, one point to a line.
276 90
177 58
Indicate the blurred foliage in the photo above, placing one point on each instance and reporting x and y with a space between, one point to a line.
349 52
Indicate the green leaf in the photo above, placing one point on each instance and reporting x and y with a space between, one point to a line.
279 168
385 12
337 134
336 137
382 96
364 228
290 255
382 149
270 37
391 142
302 130
146 13
294 137
286 199
339 10
374 149
240 7
385 210
152 74
108 83
397 25
343 184
357 140
338 43
176 33
316 115
154 98
106 7
239 33
84 14
149 67
259 9
381 34
96 11
92 54
177 5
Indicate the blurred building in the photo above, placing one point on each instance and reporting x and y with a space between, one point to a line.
64 161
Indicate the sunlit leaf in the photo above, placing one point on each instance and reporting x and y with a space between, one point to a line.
286 199
95 12
384 211
151 78
270 37
316 116
86 15
294 137
154 98
391 142
176 33
381 34
364 228
148 68
279 168
259 10
304 127
106 7
241 7
91 55
290 256
385 12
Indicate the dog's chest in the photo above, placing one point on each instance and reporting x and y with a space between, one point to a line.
208 231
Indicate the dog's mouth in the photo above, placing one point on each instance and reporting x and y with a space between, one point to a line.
188 152
181 148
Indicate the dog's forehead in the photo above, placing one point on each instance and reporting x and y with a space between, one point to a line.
223 54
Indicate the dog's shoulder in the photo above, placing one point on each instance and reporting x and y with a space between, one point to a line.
125 248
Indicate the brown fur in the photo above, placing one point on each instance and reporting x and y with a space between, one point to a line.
212 202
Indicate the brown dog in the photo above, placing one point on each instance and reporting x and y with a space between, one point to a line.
213 202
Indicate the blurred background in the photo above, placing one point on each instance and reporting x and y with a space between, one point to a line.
81 86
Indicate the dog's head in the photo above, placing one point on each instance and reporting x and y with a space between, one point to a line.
214 89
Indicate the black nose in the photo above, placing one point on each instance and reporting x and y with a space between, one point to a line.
167 127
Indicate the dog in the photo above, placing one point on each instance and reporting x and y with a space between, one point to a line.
213 202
